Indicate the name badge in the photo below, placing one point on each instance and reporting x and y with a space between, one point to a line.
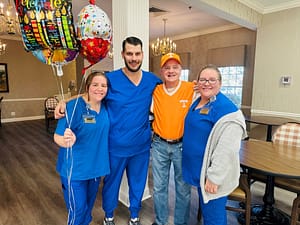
204 111
87 118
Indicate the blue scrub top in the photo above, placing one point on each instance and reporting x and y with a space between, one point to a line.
88 158
128 107
197 128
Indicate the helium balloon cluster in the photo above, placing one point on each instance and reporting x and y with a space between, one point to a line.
49 33
94 33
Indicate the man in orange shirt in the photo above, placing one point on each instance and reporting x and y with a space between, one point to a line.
171 101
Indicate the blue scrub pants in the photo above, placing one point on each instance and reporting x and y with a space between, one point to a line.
136 170
213 212
80 199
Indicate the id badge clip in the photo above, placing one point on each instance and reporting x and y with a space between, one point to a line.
87 118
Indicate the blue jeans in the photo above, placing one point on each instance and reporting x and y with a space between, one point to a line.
163 155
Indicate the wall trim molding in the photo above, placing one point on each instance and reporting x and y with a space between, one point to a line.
18 119
274 113
23 99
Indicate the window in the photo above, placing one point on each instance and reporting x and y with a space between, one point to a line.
184 74
232 83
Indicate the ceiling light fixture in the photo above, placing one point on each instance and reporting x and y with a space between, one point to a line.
163 46
9 24
2 47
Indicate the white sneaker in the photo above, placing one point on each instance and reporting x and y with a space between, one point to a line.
135 221
108 221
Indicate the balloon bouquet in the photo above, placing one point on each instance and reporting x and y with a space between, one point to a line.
48 32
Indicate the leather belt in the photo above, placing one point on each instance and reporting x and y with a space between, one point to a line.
169 141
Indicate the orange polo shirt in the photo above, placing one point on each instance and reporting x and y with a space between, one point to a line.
170 109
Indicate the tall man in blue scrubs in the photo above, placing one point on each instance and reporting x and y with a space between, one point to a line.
128 103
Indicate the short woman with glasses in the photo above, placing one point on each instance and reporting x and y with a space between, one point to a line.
214 128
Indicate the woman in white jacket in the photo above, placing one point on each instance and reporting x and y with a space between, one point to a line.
214 128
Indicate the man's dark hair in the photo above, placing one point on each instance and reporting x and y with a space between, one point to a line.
133 41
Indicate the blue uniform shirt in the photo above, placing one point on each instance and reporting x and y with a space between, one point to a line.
197 129
128 107
88 158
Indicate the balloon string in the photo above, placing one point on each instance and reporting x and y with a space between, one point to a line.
85 69
72 204
17 5
78 95
69 155
72 209
54 73
61 90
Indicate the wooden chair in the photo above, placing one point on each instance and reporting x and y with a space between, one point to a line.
50 104
289 134
295 217
242 195
0 109
286 134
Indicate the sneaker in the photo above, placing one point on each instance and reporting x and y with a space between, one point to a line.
134 221
108 221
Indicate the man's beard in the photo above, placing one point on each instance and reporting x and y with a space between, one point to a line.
132 70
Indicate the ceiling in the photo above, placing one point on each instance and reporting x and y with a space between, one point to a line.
183 18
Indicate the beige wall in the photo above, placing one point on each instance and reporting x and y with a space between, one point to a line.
199 46
30 82
277 54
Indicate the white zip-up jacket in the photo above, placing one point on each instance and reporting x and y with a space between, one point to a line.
221 163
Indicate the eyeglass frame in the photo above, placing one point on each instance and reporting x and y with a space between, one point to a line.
210 81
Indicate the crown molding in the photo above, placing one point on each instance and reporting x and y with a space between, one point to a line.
259 7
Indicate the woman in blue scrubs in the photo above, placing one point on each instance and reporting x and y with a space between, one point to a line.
83 155
214 128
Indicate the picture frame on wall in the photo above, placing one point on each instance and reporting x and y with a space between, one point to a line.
3 78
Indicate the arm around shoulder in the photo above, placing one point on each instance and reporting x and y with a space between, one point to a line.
60 109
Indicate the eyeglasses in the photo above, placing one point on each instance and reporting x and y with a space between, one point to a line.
210 81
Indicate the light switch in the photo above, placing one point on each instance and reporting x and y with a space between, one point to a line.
286 80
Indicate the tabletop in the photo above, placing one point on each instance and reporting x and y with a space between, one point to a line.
270 158
269 120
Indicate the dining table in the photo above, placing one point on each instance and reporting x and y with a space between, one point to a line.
269 121
272 160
